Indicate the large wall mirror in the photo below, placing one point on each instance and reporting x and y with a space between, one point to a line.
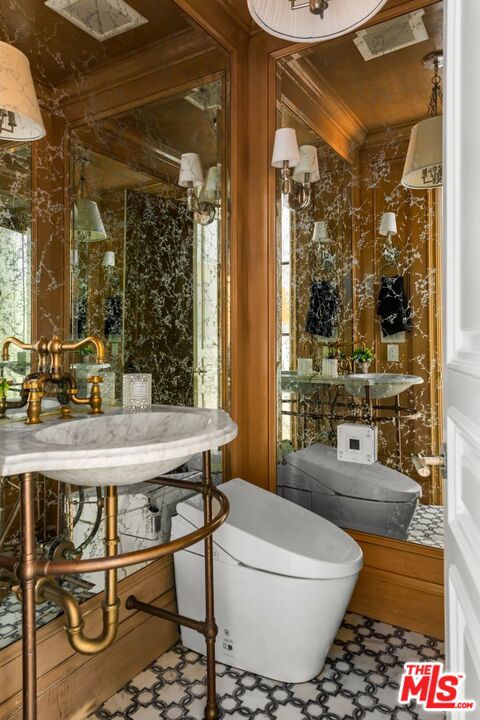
359 283
118 250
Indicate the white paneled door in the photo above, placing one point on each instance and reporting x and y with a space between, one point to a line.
462 343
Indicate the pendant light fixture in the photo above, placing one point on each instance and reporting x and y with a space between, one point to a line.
312 20
87 220
20 116
424 162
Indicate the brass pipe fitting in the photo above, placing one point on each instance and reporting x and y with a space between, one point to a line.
95 398
48 590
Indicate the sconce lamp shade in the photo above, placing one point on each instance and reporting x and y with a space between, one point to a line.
423 166
308 164
213 184
20 117
88 222
285 148
294 20
191 171
320 232
388 224
108 259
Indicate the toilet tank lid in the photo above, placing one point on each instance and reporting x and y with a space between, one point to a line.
266 532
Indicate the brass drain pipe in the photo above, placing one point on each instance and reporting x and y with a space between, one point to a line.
48 590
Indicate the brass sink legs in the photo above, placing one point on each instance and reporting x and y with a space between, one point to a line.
26 574
208 628
34 576
211 630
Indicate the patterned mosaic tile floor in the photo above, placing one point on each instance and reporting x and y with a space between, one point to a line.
427 526
359 682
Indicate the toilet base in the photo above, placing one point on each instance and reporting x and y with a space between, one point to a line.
271 625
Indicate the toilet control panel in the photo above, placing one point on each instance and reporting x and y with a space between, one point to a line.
357 443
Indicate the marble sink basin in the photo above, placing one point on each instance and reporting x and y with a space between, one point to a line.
305 384
382 385
118 448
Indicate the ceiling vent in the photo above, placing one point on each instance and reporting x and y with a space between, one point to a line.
392 35
102 19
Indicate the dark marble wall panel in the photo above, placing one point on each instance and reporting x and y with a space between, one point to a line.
159 295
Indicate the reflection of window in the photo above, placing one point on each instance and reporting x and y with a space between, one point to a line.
286 314
15 284
206 316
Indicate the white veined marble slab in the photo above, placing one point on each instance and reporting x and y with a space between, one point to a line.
117 448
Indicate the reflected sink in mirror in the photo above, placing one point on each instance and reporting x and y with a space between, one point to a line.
305 384
382 385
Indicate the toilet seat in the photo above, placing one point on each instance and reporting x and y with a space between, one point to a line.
319 470
266 532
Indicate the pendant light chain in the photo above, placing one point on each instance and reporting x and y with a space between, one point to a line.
437 93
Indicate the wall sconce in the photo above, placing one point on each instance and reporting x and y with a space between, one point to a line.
320 235
87 220
305 173
320 232
108 259
211 194
287 155
388 228
20 116
192 178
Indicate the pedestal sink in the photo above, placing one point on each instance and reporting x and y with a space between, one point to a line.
382 385
118 448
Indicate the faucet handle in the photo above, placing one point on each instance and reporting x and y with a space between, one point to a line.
34 406
95 399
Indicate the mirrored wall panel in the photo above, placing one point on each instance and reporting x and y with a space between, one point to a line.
116 226
360 282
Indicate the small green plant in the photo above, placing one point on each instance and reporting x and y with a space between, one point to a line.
86 351
4 385
363 355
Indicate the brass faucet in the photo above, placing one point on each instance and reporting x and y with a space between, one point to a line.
40 347
56 375
51 370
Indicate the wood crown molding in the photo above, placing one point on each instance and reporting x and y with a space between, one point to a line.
240 13
185 45
332 116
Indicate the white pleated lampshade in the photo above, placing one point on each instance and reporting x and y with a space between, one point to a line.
277 17
308 164
191 170
88 222
425 154
320 232
285 148
388 224
17 95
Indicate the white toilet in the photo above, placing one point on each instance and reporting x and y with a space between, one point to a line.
283 580
370 498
